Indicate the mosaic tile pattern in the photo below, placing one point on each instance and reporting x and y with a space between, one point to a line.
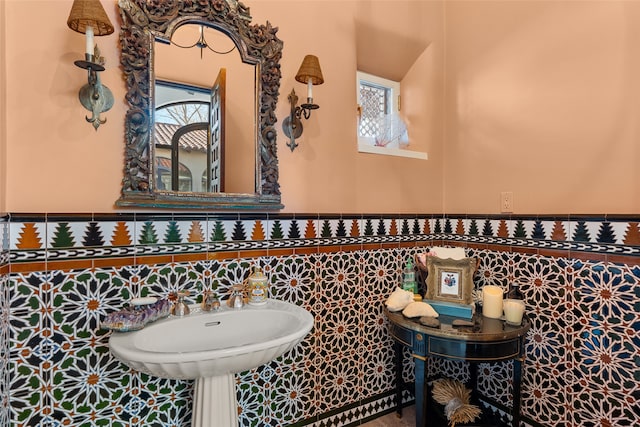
61 357
4 349
4 320
606 339
582 351
543 281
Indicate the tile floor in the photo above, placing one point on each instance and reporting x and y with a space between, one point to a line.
391 420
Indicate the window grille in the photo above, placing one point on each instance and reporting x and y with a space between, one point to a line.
374 103
381 128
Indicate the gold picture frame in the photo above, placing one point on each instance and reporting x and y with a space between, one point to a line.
450 280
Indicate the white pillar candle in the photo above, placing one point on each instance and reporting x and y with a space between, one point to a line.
492 301
513 311
89 33
309 89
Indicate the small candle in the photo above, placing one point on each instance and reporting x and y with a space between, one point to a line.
89 33
492 301
309 89
513 311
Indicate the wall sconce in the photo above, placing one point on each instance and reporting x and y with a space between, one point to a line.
310 74
88 17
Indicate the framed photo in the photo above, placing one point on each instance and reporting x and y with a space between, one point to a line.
450 280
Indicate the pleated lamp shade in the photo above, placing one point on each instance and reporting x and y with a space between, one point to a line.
310 70
89 13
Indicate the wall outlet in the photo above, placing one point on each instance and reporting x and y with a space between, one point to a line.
506 202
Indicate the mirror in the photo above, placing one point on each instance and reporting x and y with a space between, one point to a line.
203 135
223 159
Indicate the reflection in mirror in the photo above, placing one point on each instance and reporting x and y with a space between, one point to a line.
181 138
202 84
210 66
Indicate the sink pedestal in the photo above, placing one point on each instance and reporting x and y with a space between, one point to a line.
214 402
218 344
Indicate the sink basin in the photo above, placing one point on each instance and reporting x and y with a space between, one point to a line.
216 343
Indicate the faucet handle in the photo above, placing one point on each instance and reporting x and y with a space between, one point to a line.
180 308
178 295
236 300
210 301
240 288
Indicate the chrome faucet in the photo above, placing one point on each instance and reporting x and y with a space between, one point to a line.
236 300
180 308
210 301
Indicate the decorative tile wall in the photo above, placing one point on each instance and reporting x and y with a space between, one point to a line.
579 274
4 320
4 347
61 368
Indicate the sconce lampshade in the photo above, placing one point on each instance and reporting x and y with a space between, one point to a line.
310 70
89 13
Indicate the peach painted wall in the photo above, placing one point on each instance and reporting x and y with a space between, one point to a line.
326 173
539 99
542 100
3 112
58 163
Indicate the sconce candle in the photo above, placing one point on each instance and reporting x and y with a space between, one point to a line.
309 89
492 301
89 33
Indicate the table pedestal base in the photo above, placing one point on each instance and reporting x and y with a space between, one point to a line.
487 341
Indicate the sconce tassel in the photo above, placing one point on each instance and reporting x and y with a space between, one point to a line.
96 98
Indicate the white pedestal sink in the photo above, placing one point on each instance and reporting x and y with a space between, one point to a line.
211 347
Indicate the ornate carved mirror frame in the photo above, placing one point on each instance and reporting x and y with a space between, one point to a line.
144 21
